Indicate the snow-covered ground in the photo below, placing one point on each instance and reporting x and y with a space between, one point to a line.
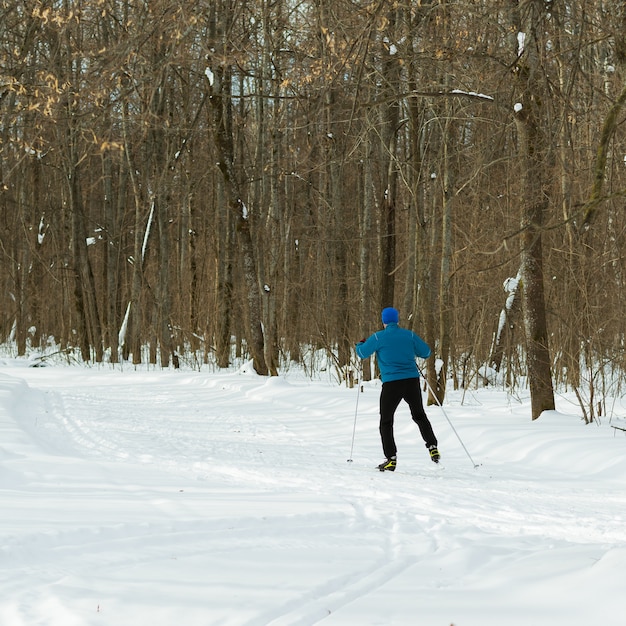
169 498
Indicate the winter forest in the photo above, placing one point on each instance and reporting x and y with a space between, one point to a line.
196 180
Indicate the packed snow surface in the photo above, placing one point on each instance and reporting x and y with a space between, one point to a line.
169 498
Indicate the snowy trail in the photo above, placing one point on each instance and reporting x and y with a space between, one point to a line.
161 498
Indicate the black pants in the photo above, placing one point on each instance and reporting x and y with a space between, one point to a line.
392 392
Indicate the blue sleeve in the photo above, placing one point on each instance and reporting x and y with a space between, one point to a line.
422 349
366 348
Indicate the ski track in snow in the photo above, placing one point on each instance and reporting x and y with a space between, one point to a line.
231 497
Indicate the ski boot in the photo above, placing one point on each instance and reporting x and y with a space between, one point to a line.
389 465
434 454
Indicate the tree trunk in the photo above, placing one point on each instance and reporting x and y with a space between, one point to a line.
224 286
534 205
365 234
446 258
533 140
220 78
88 320
133 340
220 104
506 322
389 166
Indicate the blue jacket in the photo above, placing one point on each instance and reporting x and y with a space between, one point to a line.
396 349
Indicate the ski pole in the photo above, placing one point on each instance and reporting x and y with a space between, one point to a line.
469 456
356 408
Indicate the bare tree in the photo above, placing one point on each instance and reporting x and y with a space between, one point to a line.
535 161
221 74
258 178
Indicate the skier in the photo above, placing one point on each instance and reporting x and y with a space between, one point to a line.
396 349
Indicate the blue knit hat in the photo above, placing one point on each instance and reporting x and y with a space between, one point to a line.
390 315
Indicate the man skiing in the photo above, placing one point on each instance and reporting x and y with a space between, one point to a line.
396 349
